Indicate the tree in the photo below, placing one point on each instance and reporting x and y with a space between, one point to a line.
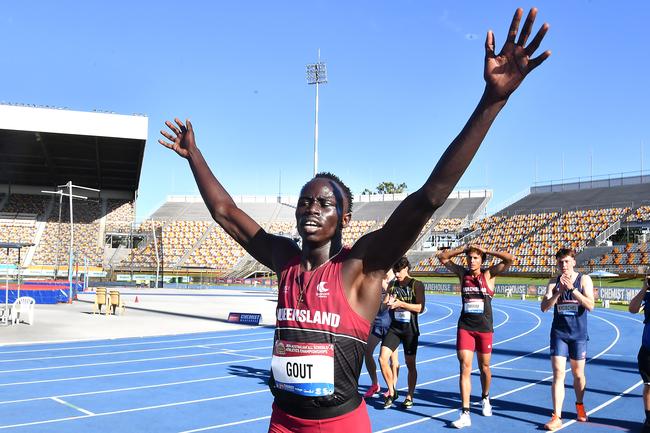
391 188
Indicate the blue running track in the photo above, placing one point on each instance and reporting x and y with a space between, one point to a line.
216 382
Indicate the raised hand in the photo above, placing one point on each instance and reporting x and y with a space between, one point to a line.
182 140
565 282
505 71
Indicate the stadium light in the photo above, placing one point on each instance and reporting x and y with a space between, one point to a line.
316 74
69 194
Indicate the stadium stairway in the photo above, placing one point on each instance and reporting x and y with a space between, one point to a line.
197 244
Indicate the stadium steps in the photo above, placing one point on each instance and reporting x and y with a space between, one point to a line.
40 229
197 244
102 221
119 254
416 257
246 266
602 237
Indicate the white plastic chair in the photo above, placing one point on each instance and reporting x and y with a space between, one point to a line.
23 307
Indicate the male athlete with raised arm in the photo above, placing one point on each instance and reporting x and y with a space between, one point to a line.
328 295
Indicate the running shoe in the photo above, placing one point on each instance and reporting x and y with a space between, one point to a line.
407 403
387 393
554 424
463 421
388 401
581 414
374 389
486 407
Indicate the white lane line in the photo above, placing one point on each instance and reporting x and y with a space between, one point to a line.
126 361
218 426
128 373
607 403
622 316
503 322
131 388
65 403
117 352
512 391
441 318
137 409
521 369
110 342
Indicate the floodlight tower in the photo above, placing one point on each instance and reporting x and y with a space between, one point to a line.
316 74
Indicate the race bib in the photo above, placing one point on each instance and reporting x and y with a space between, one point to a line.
304 368
568 309
475 306
402 315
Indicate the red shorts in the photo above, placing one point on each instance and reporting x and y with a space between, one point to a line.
475 341
356 421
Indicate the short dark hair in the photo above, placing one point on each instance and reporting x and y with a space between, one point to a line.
563 252
335 178
477 251
401 264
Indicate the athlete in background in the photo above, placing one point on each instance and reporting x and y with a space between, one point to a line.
475 324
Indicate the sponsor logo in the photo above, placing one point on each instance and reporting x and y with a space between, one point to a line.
279 348
321 290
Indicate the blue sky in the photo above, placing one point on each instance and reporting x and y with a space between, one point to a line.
403 78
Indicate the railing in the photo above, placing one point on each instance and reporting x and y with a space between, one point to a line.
602 237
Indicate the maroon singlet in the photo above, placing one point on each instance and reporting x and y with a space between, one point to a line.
319 343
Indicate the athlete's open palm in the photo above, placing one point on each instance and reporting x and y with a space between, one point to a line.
181 140
505 71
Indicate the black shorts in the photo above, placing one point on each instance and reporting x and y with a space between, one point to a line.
406 336
644 364
379 331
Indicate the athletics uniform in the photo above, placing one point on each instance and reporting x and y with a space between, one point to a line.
404 324
644 351
318 351
382 321
475 324
569 329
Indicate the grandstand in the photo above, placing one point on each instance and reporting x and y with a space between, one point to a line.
585 216
606 220
44 148
192 242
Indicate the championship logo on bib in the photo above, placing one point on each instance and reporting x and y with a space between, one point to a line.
304 368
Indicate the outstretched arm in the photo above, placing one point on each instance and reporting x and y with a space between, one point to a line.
268 249
503 73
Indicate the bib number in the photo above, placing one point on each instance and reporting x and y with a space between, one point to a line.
474 307
402 316
305 369
569 309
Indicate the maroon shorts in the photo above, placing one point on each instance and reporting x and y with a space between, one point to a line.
475 341
356 421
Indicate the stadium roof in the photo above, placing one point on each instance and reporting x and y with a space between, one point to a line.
48 147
